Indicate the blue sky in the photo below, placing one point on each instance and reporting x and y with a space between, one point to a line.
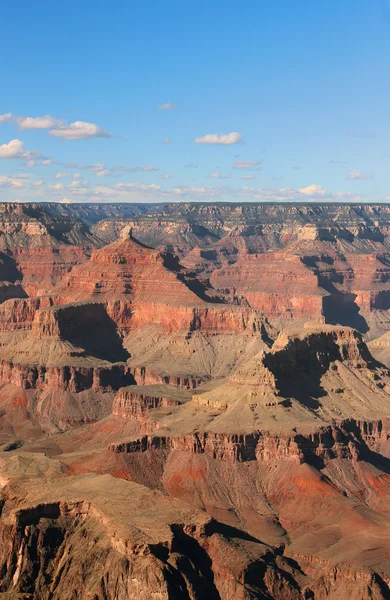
165 101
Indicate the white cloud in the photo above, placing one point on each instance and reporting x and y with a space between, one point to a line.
167 141
247 165
359 176
223 140
218 175
62 175
316 191
79 130
134 169
10 182
45 122
23 176
15 149
164 177
205 192
310 193
166 106
192 166
56 187
96 168
101 170
77 187
123 192
6 118
39 163
38 183
248 177
137 186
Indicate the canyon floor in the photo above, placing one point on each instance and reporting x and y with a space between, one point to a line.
194 401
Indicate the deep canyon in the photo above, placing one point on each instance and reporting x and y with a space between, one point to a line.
195 401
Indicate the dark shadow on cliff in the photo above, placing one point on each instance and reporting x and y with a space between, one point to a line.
202 289
299 367
90 327
9 270
229 531
195 564
365 453
341 309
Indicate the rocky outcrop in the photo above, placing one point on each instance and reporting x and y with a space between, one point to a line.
43 246
208 319
146 376
18 314
128 268
65 378
135 402
96 540
278 284
326 444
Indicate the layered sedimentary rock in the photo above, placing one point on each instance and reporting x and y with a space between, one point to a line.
127 267
89 534
42 246
263 457
345 247
278 284
195 426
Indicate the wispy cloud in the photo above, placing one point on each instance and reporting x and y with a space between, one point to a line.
166 106
56 187
191 166
247 165
10 182
45 122
134 169
43 162
226 139
62 175
218 175
359 176
310 193
361 134
166 141
137 186
101 170
196 191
